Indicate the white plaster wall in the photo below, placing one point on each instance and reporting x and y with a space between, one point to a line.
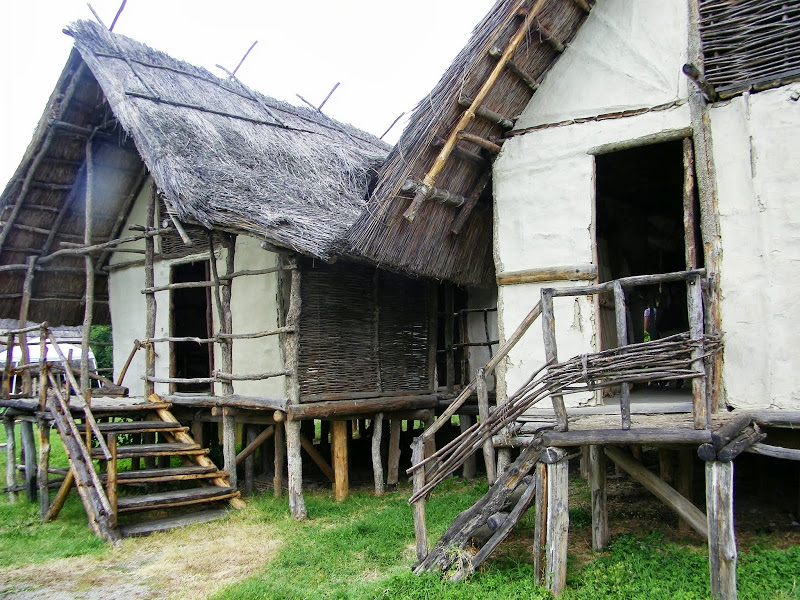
476 329
628 54
756 153
138 216
544 192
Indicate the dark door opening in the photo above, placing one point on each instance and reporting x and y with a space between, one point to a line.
640 231
190 316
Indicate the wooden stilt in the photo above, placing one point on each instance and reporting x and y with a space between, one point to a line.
393 467
666 465
44 466
229 446
557 524
503 460
540 527
721 535
280 459
297 505
420 527
197 432
339 440
449 336
621 312
685 479
249 461
483 410
468 470
111 479
585 462
597 485
11 459
150 298
377 462
430 442
29 450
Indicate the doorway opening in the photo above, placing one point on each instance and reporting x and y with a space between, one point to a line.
190 316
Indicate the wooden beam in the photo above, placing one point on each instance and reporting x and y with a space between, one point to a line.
584 272
496 52
549 37
484 143
339 409
318 459
721 534
640 435
471 203
774 451
254 444
486 114
462 153
685 509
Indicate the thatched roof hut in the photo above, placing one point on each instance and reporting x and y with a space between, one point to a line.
221 155
450 236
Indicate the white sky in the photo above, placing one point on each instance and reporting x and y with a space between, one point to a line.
387 55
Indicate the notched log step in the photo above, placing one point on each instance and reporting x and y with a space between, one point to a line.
124 409
171 499
171 474
138 427
166 524
140 450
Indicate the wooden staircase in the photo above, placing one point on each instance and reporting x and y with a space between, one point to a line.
148 465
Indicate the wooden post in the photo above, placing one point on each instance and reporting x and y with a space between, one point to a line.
689 217
483 411
540 527
61 497
700 409
685 477
25 356
11 459
197 432
29 449
468 470
249 461
721 535
551 353
279 459
88 307
297 505
7 373
620 311
340 466
393 467
44 466
666 465
111 479
377 463
557 523
229 445
597 485
150 297
420 527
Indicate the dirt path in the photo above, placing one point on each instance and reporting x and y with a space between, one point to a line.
192 563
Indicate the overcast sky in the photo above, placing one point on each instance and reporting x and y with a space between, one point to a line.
387 55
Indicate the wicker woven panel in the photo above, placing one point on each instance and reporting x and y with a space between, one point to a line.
749 42
403 332
337 330
356 337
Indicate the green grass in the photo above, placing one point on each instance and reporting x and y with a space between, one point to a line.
363 548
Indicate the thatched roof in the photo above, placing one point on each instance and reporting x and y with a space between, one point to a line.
430 245
222 156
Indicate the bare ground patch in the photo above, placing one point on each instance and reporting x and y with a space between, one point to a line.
189 563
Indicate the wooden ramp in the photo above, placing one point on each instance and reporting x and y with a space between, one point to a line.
148 463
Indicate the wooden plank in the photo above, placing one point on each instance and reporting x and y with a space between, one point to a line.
173 498
168 523
620 312
483 409
340 460
551 353
597 487
153 450
297 505
685 509
557 525
721 535
377 462
545 274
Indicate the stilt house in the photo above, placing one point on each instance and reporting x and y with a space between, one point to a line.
207 223
629 171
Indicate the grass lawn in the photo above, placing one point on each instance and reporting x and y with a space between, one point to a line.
362 548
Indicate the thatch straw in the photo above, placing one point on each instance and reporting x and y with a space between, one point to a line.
427 246
286 173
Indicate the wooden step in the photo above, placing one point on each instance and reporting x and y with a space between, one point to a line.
158 500
124 410
170 474
138 427
148 527
170 449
